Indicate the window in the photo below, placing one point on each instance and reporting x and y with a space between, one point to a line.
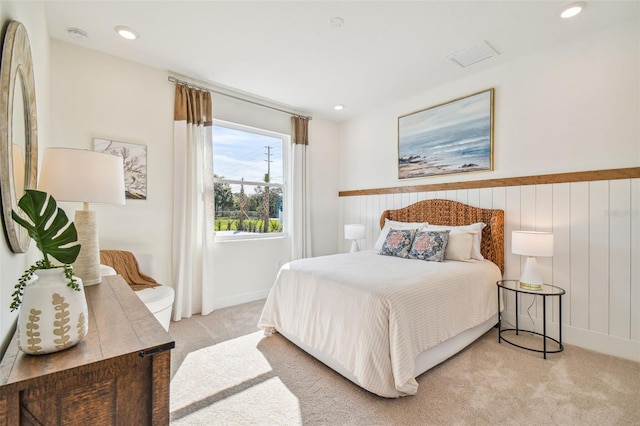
249 181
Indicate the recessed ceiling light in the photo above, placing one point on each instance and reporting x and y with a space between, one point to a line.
126 32
77 33
338 107
573 9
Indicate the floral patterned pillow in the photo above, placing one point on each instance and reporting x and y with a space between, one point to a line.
429 245
398 242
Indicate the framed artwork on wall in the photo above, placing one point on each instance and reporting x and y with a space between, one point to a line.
454 137
134 157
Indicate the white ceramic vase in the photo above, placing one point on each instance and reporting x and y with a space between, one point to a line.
53 316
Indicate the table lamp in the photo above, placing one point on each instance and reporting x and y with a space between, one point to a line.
531 244
354 232
79 175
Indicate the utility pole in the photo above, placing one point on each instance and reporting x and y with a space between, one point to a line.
268 160
265 201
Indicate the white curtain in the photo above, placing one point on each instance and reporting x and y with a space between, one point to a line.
193 208
300 197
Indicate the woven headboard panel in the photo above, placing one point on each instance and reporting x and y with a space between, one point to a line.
447 212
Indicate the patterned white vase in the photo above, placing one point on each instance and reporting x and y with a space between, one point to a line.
53 316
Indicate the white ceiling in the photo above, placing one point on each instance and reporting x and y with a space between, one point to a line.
288 51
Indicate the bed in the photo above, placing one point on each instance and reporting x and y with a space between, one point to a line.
381 321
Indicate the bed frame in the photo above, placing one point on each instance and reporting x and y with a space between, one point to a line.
447 212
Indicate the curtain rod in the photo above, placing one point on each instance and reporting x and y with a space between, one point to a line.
208 89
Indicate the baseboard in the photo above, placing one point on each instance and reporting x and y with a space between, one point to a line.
586 339
240 299
603 343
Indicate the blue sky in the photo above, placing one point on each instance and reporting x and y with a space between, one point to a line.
238 154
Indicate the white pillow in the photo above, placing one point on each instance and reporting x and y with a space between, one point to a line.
475 228
459 245
388 224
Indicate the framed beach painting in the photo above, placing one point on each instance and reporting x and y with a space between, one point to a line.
454 137
134 157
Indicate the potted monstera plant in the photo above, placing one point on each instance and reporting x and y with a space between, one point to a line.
53 308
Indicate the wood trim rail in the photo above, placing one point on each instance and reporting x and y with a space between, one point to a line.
610 174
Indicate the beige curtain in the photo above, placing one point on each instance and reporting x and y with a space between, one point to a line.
301 238
300 130
193 198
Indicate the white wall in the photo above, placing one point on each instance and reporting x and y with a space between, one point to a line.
98 95
571 108
12 265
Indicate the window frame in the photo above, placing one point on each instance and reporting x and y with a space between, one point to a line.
286 144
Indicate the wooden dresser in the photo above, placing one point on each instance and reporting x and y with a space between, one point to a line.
118 375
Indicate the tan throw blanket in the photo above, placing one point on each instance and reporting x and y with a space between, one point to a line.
126 265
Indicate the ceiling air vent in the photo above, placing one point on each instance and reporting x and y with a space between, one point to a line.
474 54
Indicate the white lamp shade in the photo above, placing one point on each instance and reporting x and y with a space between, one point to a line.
81 175
529 243
354 232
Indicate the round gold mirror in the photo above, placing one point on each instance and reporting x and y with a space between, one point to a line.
18 129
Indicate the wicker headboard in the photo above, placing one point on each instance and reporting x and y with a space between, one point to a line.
447 212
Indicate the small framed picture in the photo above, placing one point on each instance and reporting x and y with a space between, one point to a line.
134 157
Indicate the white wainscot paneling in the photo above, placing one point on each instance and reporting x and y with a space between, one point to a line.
598 256
635 259
619 258
579 255
596 228
562 245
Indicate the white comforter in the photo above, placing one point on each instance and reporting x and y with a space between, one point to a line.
374 314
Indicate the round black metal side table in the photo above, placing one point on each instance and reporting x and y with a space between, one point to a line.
546 291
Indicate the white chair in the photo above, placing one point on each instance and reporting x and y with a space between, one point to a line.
159 299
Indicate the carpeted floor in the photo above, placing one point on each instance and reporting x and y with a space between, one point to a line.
224 372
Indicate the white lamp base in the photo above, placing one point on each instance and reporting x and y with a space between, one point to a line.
87 265
530 279
354 246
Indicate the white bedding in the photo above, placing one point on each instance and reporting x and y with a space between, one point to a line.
374 314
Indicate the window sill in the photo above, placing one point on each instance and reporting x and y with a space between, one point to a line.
241 236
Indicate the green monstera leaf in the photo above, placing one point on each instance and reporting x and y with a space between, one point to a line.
50 228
